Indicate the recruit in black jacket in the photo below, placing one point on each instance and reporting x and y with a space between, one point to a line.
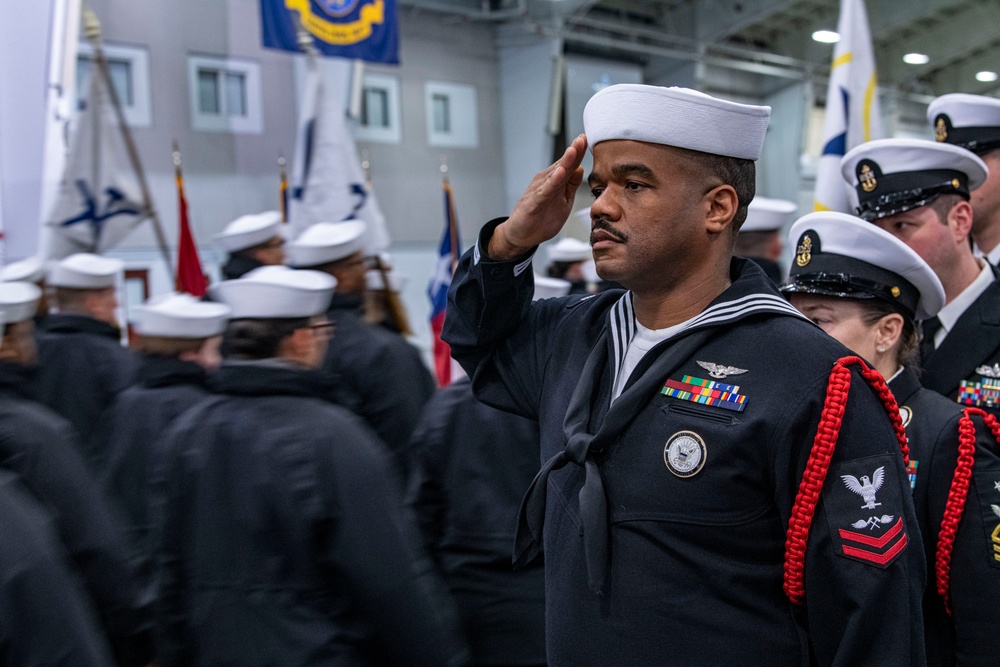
282 539
674 502
471 466
132 432
967 633
966 366
82 366
386 375
40 447
46 619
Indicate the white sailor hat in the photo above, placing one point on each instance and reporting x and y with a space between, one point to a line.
276 292
768 215
969 121
397 281
547 288
327 242
180 316
678 117
570 250
896 175
248 231
18 301
843 256
85 271
31 270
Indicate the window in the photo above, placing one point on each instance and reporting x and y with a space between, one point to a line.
225 95
129 70
442 112
452 117
379 120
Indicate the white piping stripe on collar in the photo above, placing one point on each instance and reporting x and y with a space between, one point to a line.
622 328
623 325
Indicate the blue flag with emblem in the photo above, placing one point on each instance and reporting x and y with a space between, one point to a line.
357 29
852 108
100 198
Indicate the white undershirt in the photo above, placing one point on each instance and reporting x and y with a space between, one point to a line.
950 313
643 341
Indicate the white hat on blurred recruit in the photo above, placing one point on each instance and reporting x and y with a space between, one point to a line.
969 121
843 256
30 270
570 250
891 176
548 288
251 230
85 271
18 301
180 316
768 215
326 242
276 292
678 117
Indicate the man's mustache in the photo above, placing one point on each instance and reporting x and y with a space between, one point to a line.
604 225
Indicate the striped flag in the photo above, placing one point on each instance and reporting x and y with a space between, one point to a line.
852 108
437 290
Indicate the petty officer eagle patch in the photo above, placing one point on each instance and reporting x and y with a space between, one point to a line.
864 508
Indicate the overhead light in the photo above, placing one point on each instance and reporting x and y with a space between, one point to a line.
826 36
986 77
916 59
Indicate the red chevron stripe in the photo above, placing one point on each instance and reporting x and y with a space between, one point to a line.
868 540
876 558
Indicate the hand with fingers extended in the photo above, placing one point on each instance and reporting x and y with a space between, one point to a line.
543 208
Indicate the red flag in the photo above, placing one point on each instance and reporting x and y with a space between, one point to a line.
190 277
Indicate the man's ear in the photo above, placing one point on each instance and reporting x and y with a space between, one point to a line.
721 204
960 220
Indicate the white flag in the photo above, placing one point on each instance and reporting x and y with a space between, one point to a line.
99 200
852 107
328 184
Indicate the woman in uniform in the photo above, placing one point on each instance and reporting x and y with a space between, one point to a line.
868 290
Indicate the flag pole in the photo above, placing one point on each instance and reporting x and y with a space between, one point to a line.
452 222
92 27
283 187
396 308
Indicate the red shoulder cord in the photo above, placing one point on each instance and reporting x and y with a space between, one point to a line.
959 491
818 464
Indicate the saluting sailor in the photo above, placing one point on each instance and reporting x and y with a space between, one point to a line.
677 418
919 192
868 290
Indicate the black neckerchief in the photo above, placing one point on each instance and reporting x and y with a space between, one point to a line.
751 293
